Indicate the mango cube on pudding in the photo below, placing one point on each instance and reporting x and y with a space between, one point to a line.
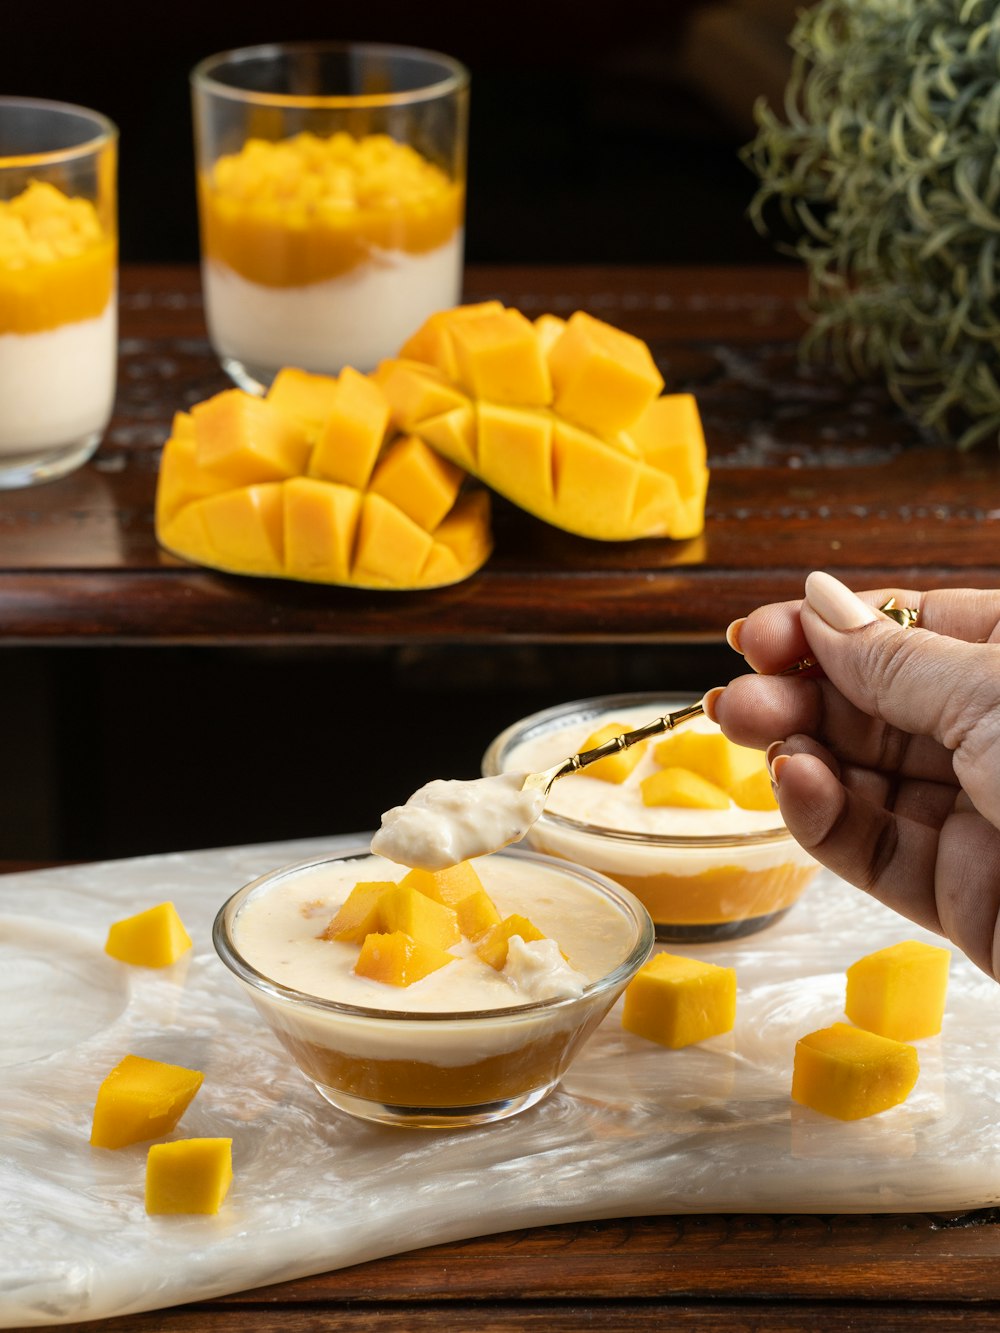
496 942
712 755
397 959
848 1073
352 433
402 908
616 767
153 938
755 791
477 913
677 1001
497 357
448 886
188 1175
899 991
602 377
358 914
141 1099
307 397
246 439
681 787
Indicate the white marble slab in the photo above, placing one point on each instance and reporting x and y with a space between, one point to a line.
634 1129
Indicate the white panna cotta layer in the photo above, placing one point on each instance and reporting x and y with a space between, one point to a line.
357 319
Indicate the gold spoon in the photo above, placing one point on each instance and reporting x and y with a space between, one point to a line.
904 615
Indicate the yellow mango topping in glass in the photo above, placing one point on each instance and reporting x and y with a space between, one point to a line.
188 1175
616 767
677 1001
496 942
681 787
141 1099
308 208
899 991
153 938
57 262
397 959
448 886
849 1073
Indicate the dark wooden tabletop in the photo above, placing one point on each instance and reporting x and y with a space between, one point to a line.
807 472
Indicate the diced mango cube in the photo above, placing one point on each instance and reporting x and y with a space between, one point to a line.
307 397
848 1073
670 437
399 960
246 439
454 434
141 1099
188 1175
494 945
677 1001
153 938
681 787
899 991
403 908
417 480
320 521
618 766
390 549
352 433
656 505
498 357
515 450
417 392
246 528
448 886
477 913
595 483
711 754
432 341
755 791
602 377
181 480
358 915
548 329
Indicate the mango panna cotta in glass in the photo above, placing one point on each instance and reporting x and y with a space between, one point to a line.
433 998
688 823
58 266
331 193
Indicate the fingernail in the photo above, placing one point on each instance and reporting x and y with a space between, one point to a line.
836 604
777 764
710 700
733 634
772 754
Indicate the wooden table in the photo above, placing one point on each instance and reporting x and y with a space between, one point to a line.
807 472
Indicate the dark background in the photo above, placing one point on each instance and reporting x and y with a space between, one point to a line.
598 134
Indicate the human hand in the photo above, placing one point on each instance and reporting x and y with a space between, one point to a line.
886 767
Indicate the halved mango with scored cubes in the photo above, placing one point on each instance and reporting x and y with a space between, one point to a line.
314 483
566 418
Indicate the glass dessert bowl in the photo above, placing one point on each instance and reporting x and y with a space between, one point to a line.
703 874
462 1046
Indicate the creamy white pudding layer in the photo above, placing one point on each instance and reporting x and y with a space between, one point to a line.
58 386
446 822
620 807
277 931
357 319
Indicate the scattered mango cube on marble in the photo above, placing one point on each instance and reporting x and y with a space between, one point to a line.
155 937
188 1175
397 959
899 991
677 1001
849 1073
141 1099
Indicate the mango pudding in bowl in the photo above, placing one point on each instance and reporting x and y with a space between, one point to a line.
688 823
433 998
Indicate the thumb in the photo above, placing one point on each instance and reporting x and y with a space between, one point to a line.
919 682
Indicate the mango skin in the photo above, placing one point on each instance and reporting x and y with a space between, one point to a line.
573 429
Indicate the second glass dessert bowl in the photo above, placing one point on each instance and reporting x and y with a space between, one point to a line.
702 875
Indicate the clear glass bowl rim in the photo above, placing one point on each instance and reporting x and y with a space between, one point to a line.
249 975
454 80
492 764
105 132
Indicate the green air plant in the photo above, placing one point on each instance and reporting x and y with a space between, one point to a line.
885 166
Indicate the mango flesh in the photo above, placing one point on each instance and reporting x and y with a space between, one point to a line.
399 960
678 1001
616 767
401 908
358 915
448 886
681 787
899 992
313 483
848 1073
188 1175
738 772
564 418
141 1099
496 942
153 938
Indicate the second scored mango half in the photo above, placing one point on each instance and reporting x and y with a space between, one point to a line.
566 418
313 483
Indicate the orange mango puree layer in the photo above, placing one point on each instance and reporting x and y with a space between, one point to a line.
57 264
728 893
307 209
